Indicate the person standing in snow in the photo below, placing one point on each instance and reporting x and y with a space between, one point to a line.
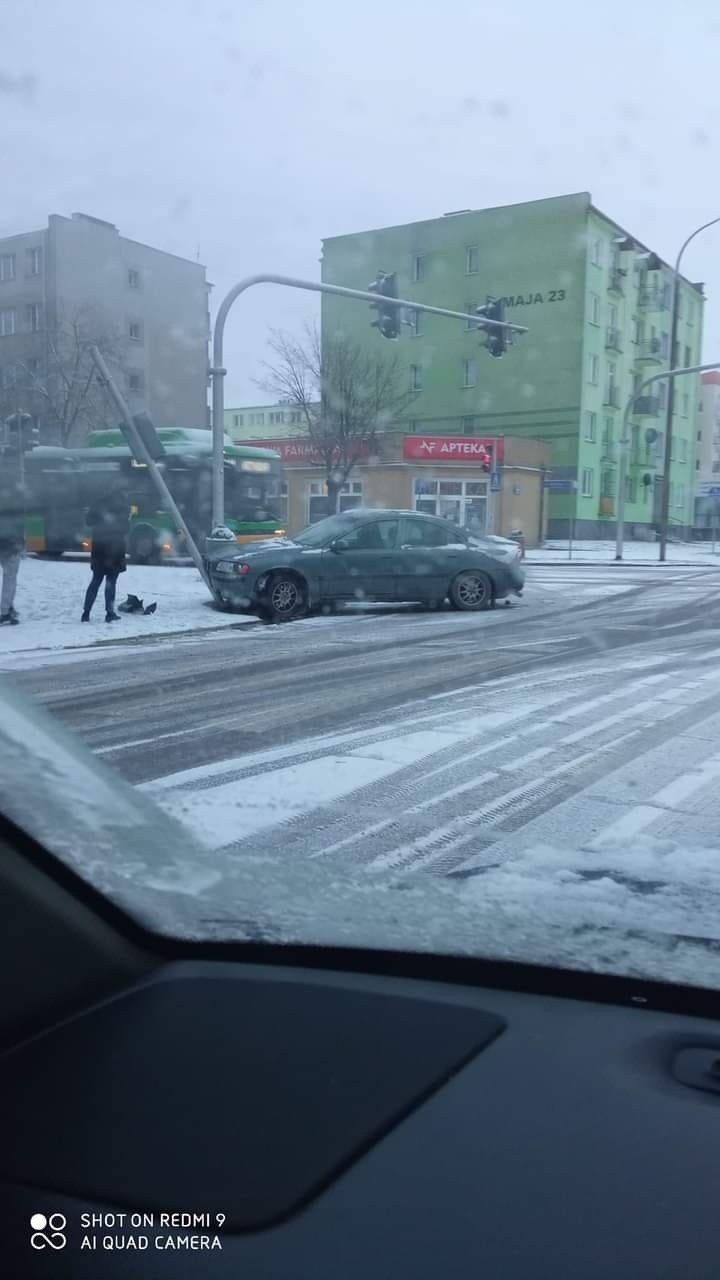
12 537
108 522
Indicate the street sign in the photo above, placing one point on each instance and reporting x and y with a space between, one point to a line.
495 481
559 486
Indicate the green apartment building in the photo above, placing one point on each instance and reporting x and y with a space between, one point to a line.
596 303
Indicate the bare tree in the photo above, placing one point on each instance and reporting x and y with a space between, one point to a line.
345 396
62 389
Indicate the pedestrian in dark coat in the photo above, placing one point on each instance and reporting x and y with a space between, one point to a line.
12 536
108 521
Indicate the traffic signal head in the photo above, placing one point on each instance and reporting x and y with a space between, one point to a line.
388 317
496 340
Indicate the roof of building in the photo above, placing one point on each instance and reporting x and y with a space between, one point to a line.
572 195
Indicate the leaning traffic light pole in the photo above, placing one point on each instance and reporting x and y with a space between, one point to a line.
385 302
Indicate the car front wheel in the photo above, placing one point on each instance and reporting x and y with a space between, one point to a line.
471 590
284 598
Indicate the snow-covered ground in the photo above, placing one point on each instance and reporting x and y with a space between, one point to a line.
50 600
633 552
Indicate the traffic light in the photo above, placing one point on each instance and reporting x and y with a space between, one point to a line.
388 319
20 433
497 340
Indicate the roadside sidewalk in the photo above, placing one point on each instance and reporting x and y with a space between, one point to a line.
50 598
637 554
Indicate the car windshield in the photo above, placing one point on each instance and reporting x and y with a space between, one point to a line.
325 531
433 287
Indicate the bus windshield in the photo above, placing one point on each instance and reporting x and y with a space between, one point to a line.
253 495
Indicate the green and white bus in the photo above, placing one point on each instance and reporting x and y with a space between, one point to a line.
62 483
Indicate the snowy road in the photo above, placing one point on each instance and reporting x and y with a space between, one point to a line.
442 743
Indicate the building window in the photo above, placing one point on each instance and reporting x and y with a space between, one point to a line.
33 315
416 321
34 261
608 433
471 308
135 331
33 366
683 450
593 369
133 278
596 253
588 477
416 377
468 424
8 376
469 373
685 404
665 345
699 436
662 394
688 357
7 266
636 329
612 316
590 426
418 268
7 322
350 495
630 491
594 309
472 260
135 382
607 484
237 419
465 502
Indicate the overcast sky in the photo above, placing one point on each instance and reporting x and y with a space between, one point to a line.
247 131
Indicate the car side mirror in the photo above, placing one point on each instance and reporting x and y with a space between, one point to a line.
337 547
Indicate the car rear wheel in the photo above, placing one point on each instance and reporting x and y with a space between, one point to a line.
471 590
284 598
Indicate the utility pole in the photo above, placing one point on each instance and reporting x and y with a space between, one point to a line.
218 372
141 452
665 504
670 374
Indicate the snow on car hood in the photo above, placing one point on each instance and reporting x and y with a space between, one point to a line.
648 913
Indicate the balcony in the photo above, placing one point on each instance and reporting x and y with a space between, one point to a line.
613 340
650 351
651 298
646 406
611 398
616 280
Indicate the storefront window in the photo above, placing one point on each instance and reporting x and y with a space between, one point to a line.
465 502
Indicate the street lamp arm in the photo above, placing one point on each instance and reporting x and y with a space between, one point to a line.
692 236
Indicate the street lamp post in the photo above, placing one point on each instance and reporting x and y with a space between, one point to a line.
671 375
314 286
665 504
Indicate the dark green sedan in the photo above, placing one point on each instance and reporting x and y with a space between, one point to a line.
367 555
